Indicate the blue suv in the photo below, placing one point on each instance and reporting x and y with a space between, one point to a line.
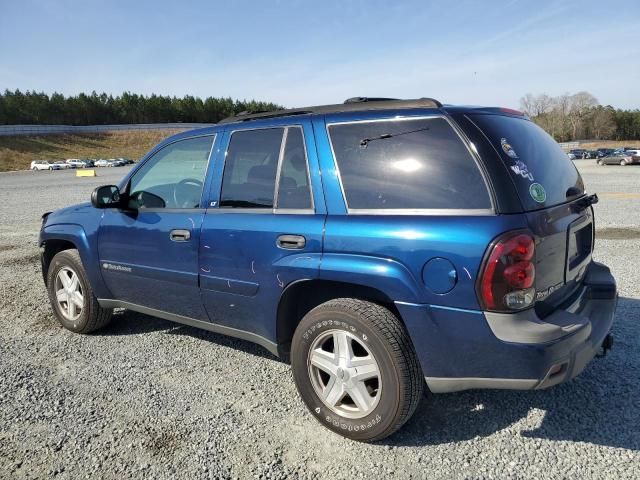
374 244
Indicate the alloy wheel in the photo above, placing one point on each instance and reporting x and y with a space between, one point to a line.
344 374
69 294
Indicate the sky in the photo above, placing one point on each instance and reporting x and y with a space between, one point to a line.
298 53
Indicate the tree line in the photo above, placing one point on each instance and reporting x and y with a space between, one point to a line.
33 108
566 117
580 116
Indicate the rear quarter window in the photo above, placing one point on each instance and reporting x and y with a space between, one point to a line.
407 164
542 172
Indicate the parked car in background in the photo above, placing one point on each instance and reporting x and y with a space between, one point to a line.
44 165
76 163
102 163
88 163
578 153
126 161
617 158
63 165
603 152
402 242
592 154
571 156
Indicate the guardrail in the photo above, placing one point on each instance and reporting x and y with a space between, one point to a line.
569 145
6 130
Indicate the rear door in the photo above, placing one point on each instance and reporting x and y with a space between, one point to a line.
263 228
552 194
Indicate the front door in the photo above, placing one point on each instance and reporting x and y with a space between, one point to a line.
149 251
265 230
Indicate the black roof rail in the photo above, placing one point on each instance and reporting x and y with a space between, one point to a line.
368 99
351 105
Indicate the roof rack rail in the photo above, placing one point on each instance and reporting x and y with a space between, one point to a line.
350 105
368 99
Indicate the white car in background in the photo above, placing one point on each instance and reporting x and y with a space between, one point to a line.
75 163
102 163
44 165
63 165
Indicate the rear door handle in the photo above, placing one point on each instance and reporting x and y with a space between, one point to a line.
179 235
291 242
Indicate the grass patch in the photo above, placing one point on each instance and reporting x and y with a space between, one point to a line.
609 144
17 152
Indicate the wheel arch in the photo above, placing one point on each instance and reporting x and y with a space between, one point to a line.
58 237
50 248
302 296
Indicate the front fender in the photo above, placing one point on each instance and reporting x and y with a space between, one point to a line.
389 276
87 248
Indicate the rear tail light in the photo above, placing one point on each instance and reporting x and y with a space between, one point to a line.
508 274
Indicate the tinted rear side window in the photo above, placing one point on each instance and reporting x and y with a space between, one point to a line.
407 164
251 163
543 174
293 187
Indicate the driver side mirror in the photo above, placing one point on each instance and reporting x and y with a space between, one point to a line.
107 196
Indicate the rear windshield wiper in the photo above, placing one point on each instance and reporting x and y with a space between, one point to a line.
365 141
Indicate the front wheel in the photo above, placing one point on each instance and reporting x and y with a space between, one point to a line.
600 162
71 295
356 369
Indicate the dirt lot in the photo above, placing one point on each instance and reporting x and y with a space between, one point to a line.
147 398
17 152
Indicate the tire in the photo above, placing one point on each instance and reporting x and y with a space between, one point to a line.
600 162
50 168
623 163
372 332
91 316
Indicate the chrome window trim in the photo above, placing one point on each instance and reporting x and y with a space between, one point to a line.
270 211
413 211
213 135
283 144
422 211
274 209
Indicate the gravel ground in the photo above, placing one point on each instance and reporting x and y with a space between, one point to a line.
148 398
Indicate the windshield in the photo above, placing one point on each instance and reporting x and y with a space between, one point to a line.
543 174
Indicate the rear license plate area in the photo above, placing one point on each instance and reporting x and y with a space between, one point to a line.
579 244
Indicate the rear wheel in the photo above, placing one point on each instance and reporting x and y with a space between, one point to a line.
356 369
623 162
71 295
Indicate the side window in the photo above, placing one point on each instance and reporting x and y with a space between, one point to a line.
173 177
407 164
293 186
251 163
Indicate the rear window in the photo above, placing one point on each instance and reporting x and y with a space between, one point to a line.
407 164
543 174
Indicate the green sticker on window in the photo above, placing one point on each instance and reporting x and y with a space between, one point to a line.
537 192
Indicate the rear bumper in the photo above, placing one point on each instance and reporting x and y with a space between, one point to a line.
464 349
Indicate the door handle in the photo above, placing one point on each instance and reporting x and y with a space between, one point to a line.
179 235
291 242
